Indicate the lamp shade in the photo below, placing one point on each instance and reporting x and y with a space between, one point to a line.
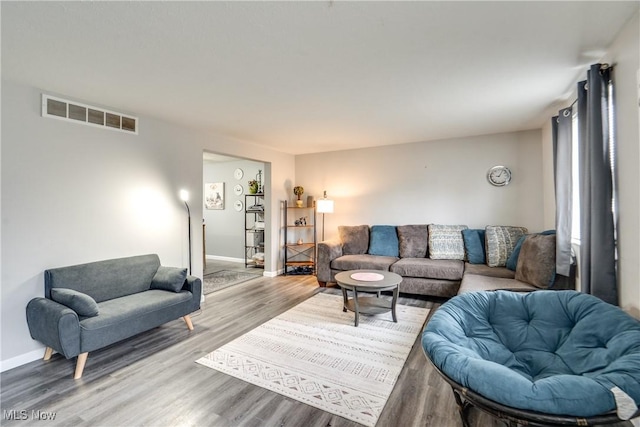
324 206
184 195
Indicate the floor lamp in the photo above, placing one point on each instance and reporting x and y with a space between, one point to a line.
324 206
184 196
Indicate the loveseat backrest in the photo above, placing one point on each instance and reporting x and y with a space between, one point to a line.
105 280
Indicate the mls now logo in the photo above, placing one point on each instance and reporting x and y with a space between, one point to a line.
14 414
21 415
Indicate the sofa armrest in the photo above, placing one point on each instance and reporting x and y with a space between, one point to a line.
194 285
54 325
328 250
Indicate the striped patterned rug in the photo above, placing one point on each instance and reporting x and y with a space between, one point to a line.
313 353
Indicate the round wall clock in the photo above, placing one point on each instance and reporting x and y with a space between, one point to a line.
499 176
237 189
238 205
238 173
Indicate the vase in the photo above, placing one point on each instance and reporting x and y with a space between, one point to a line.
253 189
299 203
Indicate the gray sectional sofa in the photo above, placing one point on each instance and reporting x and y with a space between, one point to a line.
90 306
445 260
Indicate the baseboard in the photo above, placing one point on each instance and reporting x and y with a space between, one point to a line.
225 258
23 359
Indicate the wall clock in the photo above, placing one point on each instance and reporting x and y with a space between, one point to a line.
237 190
238 205
499 176
238 173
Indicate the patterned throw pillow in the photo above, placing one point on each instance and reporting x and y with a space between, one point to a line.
500 241
445 241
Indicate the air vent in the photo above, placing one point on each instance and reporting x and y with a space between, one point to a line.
72 111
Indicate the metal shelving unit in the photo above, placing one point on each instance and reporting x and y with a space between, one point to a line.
253 230
299 239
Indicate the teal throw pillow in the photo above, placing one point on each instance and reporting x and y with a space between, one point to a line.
81 303
169 278
474 245
383 241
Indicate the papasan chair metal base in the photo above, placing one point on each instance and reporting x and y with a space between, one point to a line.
467 399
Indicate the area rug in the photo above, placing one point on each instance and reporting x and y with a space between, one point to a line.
223 279
314 354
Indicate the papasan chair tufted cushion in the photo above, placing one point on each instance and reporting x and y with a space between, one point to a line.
553 352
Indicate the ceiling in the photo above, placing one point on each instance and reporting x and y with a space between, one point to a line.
305 77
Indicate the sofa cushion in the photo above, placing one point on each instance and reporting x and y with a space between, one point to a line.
169 278
354 238
479 283
485 270
362 262
413 240
474 245
537 260
430 287
384 241
105 280
81 303
512 262
126 316
445 241
429 268
500 241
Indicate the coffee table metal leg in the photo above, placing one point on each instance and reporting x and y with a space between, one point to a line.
345 298
393 304
355 303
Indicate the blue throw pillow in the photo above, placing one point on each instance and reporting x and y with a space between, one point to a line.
169 278
512 261
474 245
81 303
384 241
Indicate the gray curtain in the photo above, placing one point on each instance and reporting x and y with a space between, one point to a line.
597 232
561 128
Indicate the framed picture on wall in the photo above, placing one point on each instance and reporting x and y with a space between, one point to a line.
214 195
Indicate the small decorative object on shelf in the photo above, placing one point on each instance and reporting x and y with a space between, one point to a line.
300 241
253 186
259 180
298 191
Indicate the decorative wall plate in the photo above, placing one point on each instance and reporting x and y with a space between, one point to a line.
238 205
238 173
238 189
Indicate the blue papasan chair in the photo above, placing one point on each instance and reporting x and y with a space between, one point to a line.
539 358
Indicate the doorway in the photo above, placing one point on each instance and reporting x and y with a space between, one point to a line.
226 190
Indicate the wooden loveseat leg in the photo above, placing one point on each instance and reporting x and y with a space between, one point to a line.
48 352
82 359
187 320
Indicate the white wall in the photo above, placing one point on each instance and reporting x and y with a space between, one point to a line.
225 228
624 53
72 193
431 182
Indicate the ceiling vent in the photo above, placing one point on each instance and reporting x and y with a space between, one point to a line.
72 111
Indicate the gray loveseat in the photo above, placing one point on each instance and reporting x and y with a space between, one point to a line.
90 306
444 260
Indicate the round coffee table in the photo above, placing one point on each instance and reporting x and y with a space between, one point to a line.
369 281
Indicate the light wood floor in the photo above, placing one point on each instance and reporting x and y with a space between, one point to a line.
152 379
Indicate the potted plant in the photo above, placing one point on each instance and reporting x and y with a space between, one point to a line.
298 191
253 186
